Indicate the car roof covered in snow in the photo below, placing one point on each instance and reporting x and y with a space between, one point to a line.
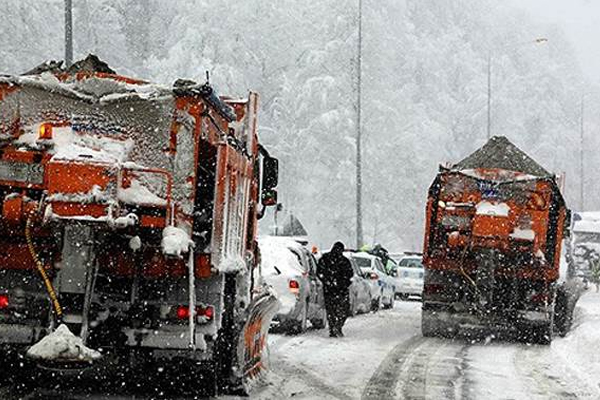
500 153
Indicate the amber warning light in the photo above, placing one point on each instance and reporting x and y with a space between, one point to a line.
45 131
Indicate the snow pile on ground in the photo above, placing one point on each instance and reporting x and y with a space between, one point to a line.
62 345
494 209
175 241
137 193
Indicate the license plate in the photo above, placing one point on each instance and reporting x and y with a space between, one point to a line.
15 171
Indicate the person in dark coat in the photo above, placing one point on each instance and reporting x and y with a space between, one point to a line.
335 271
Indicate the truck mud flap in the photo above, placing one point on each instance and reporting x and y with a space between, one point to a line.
252 346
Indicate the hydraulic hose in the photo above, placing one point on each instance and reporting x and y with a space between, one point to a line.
40 267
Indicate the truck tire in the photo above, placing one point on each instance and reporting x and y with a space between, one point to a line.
433 326
541 334
563 314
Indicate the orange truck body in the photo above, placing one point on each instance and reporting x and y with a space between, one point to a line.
493 240
115 165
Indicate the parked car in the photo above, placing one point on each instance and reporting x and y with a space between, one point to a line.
409 277
291 270
360 290
382 285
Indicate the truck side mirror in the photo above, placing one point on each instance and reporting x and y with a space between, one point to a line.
270 177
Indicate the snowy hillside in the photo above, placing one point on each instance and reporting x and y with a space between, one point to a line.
424 88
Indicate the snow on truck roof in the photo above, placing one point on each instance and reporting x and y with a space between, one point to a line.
500 153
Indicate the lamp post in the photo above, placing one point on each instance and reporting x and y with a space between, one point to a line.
581 154
489 83
68 33
359 215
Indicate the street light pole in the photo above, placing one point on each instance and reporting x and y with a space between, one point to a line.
581 154
489 95
68 33
359 216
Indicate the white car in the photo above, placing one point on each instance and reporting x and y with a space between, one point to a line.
291 270
382 285
360 290
409 279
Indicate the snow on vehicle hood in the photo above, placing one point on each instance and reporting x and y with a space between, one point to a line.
62 345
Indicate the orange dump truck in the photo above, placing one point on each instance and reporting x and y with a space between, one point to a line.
494 229
129 214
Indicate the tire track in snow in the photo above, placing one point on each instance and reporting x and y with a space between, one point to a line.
311 379
435 371
420 368
383 382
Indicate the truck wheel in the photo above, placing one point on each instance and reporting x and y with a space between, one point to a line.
429 324
541 334
433 326
563 314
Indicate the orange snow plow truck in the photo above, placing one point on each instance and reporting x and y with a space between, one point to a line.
129 215
494 229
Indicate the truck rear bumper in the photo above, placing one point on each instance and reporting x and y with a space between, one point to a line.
508 321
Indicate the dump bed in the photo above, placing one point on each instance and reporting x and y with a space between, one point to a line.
498 198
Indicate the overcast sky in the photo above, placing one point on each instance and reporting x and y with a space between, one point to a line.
580 19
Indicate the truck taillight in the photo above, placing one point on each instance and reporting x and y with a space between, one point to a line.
183 312
3 301
294 286
45 131
203 313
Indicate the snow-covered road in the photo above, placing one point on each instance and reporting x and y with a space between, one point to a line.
383 356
